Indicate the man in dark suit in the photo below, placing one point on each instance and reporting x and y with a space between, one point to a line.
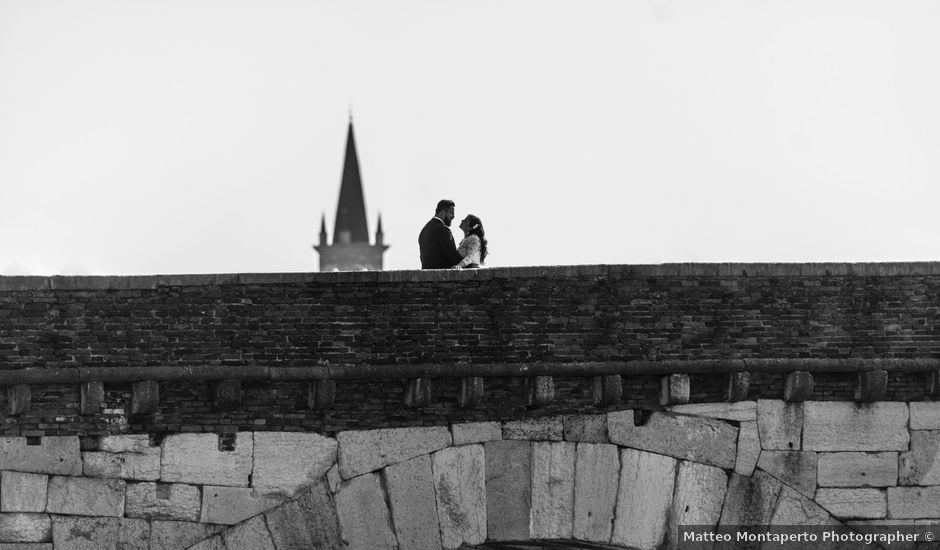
438 250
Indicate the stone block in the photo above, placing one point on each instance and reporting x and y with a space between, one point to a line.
642 522
250 535
595 493
143 466
471 392
230 505
694 438
750 500
362 513
858 469
700 491
476 432
214 542
410 487
739 383
19 397
286 462
227 395
586 428
925 415
674 389
419 392
606 390
23 492
741 411
23 527
53 455
552 490
308 522
749 449
921 465
128 443
508 489
871 386
853 503
321 394
145 397
163 501
460 488
914 502
780 425
92 396
365 451
545 428
798 386
173 535
333 478
796 469
26 546
840 426
794 508
540 390
86 496
196 459
76 533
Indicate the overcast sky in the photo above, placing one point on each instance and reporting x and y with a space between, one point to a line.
198 136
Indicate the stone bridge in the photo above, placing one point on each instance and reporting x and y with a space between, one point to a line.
556 407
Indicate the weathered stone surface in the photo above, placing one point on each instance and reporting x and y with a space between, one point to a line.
674 389
459 485
853 503
471 392
19 398
22 527
54 455
333 478
796 469
780 424
739 384
700 491
196 459
587 428
871 386
642 522
410 487
741 411
694 438
163 501
230 505
129 443
476 432
552 490
365 451
321 394
858 469
750 500
173 535
251 535
419 392
925 415
840 426
362 513
921 465
796 509
212 543
749 449
508 489
92 396
26 546
606 390
73 533
145 397
597 466
23 492
540 390
308 522
86 496
285 462
798 386
140 466
546 428
914 502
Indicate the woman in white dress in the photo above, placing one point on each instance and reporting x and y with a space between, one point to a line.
473 245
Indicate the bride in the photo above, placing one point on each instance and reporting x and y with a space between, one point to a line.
473 245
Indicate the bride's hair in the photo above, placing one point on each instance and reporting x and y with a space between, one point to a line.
476 228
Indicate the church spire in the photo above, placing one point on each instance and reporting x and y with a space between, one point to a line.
350 225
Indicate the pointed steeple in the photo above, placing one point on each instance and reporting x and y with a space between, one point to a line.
323 229
379 235
351 226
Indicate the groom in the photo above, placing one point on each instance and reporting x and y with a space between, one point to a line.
438 250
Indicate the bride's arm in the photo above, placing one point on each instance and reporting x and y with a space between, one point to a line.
467 248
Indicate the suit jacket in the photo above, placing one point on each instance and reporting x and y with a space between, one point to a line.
438 250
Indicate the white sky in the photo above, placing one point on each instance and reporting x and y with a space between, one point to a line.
198 136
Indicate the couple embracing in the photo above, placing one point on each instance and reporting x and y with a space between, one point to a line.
437 242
